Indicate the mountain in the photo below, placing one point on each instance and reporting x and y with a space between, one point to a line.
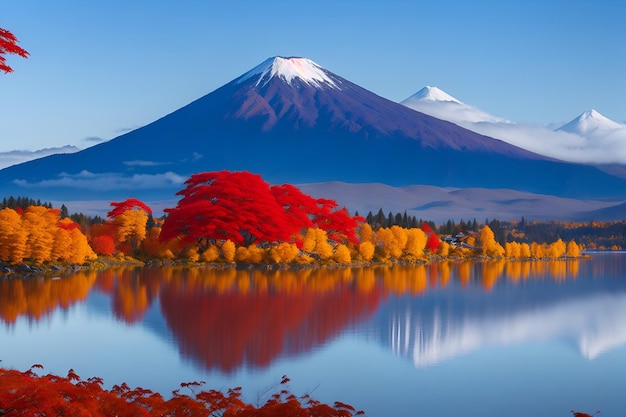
18 156
437 103
590 138
441 204
592 124
293 121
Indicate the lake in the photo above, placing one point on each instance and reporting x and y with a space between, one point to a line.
447 339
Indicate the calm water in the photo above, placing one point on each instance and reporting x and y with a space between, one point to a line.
484 339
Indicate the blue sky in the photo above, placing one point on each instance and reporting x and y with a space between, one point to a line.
100 68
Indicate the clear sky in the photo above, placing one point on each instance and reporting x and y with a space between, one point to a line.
100 68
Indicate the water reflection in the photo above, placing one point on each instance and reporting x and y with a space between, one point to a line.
226 319
36 298
229 319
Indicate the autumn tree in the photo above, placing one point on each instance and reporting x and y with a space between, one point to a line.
490 246
40 235
129 218
573 250
416 243
432 240
40 224
8 45
243 208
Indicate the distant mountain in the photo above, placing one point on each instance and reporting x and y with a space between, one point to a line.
18 156
592 124
293 121
590 138
441 204
437 103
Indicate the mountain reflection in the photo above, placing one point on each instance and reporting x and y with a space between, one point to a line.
540 301
230 318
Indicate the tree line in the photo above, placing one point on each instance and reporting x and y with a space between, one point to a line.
237 217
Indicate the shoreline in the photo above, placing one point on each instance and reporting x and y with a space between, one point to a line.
58 270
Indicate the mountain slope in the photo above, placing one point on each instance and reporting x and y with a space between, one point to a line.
291 120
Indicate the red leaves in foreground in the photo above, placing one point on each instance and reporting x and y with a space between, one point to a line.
579 414
8 45
26 394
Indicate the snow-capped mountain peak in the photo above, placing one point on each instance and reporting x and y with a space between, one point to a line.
591 122
437 103
433 94
290 68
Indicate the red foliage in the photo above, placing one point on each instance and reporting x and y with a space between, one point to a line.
8 45
26 394
66 225
242 207
433 242
103 245
256 327
128 204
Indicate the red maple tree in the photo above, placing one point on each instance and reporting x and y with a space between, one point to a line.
242 207
8 45
128 204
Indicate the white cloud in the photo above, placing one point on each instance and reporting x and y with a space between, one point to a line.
610 148
108 181
143 163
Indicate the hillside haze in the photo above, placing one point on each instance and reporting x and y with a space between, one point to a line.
293 121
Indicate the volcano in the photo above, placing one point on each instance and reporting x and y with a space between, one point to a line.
293 121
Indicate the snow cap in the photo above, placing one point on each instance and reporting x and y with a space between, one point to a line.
290 68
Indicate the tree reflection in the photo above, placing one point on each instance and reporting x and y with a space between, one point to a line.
36 298
228 318
279 312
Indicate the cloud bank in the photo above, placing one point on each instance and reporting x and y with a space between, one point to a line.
108 181
10 158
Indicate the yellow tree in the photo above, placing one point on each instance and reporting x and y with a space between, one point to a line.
490 246
342 254
366 233
130 218
316 242
40 224
415 244
79 250
400 234
573 250
366 251
524 251
387 244
62 246
12 236
556 249
284 252
228 251
512 250
537 250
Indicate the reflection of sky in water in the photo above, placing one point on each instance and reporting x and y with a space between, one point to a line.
526 346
